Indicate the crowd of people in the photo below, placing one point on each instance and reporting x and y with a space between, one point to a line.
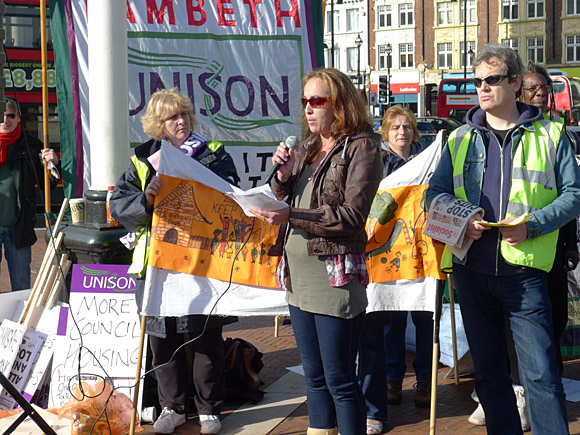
512 157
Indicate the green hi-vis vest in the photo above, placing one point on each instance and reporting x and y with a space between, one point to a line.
533 186
141 248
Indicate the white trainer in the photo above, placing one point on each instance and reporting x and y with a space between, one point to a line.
478 416
168 421
210 424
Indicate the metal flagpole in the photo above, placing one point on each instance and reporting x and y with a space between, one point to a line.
46 142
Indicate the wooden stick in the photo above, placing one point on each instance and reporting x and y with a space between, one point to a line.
453 331
138 376
44 269
59 283
43 265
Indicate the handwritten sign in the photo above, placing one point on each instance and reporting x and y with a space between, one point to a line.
11 334
22 366
102 332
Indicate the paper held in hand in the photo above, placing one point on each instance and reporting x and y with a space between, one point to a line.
447 221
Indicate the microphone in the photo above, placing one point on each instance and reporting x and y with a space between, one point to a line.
291 142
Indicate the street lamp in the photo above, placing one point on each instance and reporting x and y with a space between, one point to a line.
464 39
389 51
358 41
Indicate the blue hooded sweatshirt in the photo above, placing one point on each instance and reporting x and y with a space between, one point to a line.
484 255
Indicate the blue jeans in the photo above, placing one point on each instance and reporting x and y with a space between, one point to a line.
371 365
18 259
328 347
523 297
396 352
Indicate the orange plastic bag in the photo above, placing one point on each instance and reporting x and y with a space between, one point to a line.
85 413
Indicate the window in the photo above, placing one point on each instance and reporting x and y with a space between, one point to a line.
535 8
406 52
444 13
572 7
22 24
573 48
384 16
510 9
351 59
470 12
336 57
330 24
384 58
470 53
352 20
512 42
406 14
445 55
536 49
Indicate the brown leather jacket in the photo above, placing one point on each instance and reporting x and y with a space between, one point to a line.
342 195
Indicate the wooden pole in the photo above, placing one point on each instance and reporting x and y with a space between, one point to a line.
138 376
43 57
440 289
453 331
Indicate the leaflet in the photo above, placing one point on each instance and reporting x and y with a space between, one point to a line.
447 221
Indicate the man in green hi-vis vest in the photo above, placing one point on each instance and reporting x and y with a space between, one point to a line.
510 161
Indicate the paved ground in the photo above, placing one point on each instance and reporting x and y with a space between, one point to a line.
289 415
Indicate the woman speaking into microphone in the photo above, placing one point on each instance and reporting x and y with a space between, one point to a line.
329 183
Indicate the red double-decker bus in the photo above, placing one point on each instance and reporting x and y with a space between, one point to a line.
566 98
456 96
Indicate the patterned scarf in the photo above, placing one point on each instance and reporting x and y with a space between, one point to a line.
7 139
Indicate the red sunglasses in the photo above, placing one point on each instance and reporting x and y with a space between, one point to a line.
315 102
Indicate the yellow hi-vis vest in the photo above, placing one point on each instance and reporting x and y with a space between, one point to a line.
533 186
141 248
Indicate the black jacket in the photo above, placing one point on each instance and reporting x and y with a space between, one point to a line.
26 169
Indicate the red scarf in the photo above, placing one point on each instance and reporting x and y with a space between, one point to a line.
7 139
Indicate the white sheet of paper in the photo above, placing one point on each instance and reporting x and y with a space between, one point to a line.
259 197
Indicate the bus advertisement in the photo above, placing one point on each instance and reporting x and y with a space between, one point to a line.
456 97
566 91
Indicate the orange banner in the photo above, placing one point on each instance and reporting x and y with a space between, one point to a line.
397 248
198 230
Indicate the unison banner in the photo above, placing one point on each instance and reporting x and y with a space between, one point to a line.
240 63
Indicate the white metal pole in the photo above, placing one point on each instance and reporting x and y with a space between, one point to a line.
108 92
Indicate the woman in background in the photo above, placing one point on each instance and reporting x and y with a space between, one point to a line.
382 352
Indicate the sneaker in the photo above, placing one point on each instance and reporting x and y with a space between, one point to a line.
478 416
395 392
423 394
522 408
374 428
168 421
210 424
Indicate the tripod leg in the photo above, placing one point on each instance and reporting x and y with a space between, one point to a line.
27 407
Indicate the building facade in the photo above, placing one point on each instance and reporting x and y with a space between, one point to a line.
415 43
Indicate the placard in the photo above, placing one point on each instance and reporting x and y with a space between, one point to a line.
102 331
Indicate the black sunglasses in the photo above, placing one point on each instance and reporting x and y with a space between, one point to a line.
492 80
315 102
10 115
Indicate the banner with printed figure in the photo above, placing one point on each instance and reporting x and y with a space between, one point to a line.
195 236
403 263
198 230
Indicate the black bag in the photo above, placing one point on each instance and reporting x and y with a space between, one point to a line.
243 363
